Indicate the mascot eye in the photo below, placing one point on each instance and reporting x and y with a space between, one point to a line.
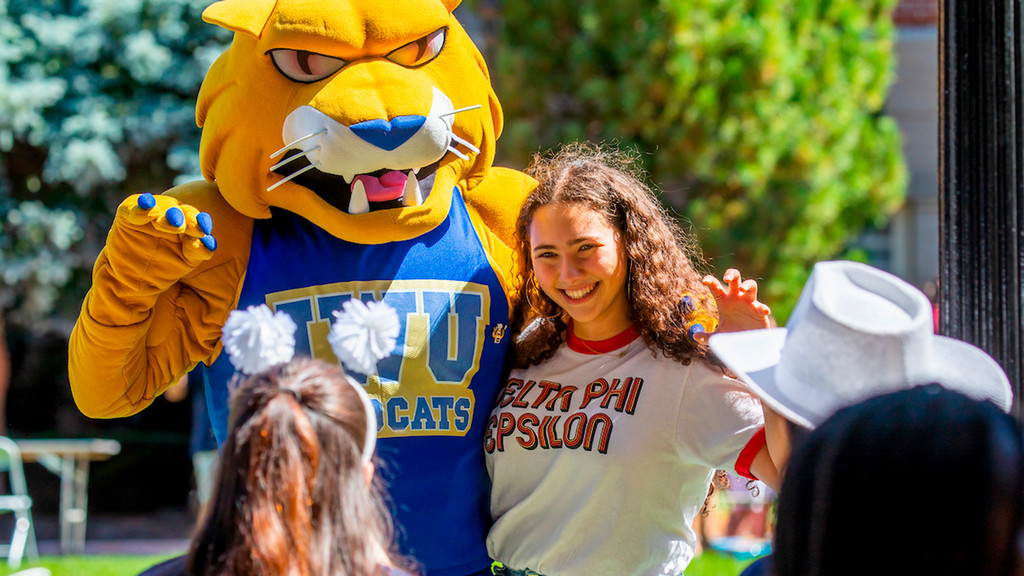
303 66
421 51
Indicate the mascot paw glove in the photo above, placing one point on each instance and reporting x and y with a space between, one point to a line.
156 240
166 215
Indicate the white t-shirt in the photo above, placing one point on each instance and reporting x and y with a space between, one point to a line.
600 462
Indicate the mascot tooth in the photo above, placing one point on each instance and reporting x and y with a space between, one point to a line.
358 204
411 196
347 153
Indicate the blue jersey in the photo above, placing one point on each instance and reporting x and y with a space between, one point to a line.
433 395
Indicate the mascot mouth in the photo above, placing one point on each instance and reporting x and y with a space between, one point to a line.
379 190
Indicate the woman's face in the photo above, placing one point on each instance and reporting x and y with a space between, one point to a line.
580 263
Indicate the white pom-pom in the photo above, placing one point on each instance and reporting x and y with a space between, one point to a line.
256 338
363 334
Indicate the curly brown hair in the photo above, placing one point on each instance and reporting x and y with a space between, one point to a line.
659 253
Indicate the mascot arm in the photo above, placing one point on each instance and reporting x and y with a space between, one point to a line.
162 289
494 207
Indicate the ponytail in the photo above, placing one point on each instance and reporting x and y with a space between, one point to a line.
291 498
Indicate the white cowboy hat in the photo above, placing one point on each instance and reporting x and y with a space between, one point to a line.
856 332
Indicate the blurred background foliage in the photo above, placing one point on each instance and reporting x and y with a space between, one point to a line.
97 101
761 120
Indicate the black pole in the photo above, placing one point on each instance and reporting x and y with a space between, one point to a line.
981 179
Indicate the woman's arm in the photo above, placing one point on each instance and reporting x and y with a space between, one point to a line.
764 469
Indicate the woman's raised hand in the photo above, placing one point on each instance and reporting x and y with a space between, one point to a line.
738 306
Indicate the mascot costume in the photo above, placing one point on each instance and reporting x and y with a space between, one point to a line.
347 151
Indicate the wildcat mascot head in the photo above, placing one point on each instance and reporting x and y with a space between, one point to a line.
341 111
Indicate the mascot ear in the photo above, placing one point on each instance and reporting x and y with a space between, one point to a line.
249 16
451 4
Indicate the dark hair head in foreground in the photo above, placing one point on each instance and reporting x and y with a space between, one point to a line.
291 495
921 481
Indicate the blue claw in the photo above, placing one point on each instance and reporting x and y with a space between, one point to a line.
175 217
687 305
146 201
210 242
205 222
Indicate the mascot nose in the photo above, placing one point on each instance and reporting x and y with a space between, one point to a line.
388 135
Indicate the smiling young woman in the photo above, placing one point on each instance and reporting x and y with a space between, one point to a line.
580 265
613 419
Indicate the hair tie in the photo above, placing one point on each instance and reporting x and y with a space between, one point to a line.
363 333
370 442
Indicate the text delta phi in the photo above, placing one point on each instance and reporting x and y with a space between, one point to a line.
537 414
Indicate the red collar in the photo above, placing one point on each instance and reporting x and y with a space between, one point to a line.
577 344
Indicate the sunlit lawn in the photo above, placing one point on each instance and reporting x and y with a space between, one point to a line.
90 565
712 564
704 565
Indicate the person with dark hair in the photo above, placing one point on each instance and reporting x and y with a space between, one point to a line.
614 419
965 517
856 332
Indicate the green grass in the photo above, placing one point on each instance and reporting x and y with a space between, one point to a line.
90 565
714 564
709 564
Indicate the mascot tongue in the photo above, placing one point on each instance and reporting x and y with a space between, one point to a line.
385 188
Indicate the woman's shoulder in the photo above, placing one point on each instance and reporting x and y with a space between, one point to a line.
706 380
694 368
708 370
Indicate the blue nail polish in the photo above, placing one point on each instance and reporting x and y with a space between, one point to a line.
146 201
205 222
209 242
694 330
175 217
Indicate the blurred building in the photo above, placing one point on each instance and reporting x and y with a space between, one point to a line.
910 249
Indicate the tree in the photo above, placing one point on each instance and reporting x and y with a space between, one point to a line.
97 101
762 118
